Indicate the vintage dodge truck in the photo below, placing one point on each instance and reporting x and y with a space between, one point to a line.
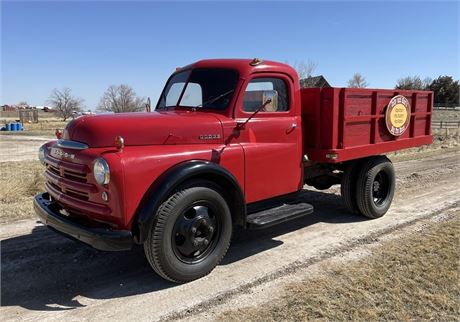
229 142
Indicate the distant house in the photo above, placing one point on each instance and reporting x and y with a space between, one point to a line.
10 108
6 108
314 81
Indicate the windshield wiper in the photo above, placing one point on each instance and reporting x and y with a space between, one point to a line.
215 99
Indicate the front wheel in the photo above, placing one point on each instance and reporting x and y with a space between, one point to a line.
191 234
375 187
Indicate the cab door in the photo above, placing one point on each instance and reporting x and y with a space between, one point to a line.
272 139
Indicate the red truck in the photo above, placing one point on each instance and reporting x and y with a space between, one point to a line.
229 142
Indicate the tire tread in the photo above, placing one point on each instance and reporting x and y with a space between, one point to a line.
348 187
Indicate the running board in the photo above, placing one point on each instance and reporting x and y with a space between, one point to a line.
277 215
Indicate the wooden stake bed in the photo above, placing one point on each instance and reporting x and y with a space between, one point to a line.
341 124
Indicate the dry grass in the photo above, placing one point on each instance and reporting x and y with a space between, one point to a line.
19 182
45 127
441 143
414 278
446 115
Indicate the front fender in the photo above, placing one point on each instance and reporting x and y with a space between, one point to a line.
164 186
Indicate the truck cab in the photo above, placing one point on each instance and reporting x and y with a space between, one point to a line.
233 90
226 144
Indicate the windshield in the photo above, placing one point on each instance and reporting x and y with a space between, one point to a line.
203 88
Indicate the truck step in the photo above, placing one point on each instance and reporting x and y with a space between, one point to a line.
278 214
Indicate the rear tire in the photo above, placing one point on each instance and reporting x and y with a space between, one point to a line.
348 187
375 186
191 234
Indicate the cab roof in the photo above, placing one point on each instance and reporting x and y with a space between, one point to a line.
244 66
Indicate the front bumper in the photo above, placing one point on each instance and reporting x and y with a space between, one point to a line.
99 238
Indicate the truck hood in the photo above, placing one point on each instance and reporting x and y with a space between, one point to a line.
175 127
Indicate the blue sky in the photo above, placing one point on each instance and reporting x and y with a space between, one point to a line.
88 45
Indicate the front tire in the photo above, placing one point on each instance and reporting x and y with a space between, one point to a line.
191 234
375 186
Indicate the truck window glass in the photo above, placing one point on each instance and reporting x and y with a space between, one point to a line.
253 96
209 88
173 90
193 95
174 93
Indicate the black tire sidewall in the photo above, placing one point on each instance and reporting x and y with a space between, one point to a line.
167 260
364 188
348 186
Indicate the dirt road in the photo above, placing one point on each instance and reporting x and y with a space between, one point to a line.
46 276
20 147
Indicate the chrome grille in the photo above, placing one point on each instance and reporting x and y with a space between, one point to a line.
68 178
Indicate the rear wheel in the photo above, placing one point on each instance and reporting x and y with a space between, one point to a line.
375 186
348 186
191 234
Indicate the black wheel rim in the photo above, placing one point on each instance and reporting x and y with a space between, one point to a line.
380 188
196 232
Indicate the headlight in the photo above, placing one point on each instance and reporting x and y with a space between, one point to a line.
101 171
41 154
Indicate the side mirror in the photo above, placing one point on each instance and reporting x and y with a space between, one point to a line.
241 125
272 97
148 105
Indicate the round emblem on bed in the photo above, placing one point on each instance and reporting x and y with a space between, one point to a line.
397 115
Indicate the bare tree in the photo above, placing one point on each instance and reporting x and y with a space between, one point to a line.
65 103
413 83
409 82
426 82
305 69
357 81
23 103
119 99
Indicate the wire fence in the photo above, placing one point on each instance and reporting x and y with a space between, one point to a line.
445 124
451 108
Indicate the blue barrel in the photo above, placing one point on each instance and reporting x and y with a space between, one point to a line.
14 127
8 126
20 128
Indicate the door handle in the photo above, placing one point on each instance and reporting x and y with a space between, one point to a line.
291 128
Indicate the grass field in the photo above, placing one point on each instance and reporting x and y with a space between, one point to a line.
19 182
441 143
446 115
45 127
412 278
